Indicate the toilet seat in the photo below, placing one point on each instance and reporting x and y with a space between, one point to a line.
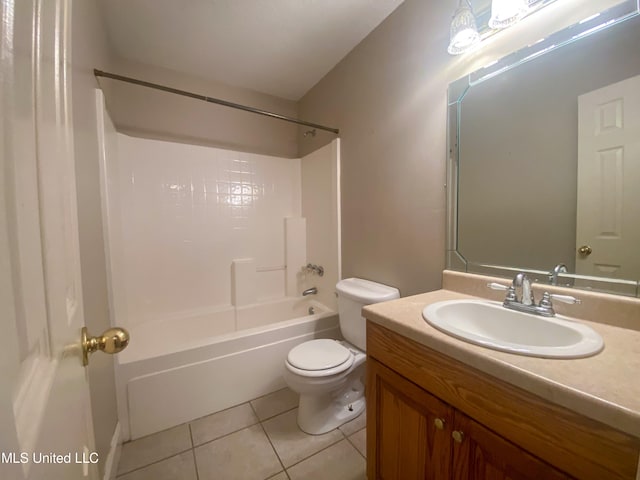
319 358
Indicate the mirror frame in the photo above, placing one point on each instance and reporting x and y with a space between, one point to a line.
454 260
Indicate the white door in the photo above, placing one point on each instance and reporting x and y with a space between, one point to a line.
45 418
608 216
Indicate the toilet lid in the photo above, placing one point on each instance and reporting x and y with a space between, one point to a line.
318 354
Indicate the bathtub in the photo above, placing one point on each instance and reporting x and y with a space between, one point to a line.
179 369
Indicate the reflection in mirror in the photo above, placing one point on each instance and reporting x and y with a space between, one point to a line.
482 12
548 160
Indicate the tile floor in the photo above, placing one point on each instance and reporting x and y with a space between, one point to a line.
257 440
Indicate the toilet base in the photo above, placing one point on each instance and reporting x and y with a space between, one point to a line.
318 414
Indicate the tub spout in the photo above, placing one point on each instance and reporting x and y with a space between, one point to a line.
310 291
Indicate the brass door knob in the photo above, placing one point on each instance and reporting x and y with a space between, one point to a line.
458 436
585 250
439 423
112 341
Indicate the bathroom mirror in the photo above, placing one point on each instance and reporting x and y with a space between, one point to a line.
544 159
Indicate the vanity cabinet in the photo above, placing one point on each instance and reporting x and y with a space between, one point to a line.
418 436
432 417
411 441
479 454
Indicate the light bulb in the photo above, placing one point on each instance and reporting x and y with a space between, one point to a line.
463 33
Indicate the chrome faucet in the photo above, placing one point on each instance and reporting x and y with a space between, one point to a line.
520 297
522 287
310 291
558 269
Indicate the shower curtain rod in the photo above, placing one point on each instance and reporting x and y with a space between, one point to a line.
197 96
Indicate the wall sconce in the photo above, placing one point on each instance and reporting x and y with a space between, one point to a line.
505 13
463 33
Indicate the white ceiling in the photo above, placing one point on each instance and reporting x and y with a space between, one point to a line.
279 47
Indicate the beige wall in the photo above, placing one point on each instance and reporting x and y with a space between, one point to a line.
89 51
144 112
388 98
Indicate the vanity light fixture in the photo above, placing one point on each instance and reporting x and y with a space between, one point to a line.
463 33
505 13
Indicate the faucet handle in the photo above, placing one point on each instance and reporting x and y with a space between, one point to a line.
511 291
563 298
547 297
497 286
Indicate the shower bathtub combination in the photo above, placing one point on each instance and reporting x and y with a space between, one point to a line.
206 251
178 370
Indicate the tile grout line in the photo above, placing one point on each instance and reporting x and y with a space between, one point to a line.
191 434
253 409
305 458
193 452
353 444
321 450
153 463
193 446
276 414
269 440
273 448
195 463
226 434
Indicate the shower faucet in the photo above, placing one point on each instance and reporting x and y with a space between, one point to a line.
310 291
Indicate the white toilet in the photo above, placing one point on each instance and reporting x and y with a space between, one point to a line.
329 374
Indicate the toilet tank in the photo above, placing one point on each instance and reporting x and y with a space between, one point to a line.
353 294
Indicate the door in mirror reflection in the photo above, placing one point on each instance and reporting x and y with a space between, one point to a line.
608 206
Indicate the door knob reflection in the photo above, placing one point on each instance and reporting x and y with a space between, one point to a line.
585 250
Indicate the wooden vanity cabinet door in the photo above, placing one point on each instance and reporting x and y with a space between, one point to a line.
480 454
403 441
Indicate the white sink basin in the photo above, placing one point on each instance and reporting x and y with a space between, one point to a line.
491 325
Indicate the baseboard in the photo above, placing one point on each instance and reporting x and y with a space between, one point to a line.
113 458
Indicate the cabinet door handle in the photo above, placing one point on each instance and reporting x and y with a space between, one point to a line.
439 423
458 436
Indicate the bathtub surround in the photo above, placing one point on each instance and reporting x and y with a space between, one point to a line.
205 229
243 282
211 244
295 246
206 254
191 212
